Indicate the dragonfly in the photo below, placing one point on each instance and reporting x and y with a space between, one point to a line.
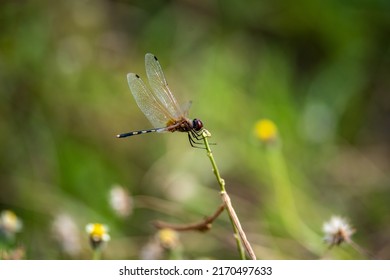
159 105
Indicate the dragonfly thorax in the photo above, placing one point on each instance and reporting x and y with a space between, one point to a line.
184 125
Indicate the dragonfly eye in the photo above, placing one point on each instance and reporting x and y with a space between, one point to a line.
197 124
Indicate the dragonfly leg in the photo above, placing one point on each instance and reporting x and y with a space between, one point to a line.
193 143
199 136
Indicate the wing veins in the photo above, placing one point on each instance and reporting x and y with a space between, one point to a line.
160 87
153 109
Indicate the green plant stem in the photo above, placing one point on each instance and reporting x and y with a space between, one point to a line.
239 233
97 254
284 195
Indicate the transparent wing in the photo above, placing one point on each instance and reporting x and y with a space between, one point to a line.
147 102
160 86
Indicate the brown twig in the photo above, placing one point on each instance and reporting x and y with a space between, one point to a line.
239 233
200 226
233 215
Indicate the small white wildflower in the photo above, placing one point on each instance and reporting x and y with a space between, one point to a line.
121 201
151 251
66 233
337 230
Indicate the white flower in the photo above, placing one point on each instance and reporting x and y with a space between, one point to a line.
66 232
152 251
121 201
337 230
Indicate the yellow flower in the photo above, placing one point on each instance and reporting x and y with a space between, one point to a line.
266 130
9 223
168 238
98 234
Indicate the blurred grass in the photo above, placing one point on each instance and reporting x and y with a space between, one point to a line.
318 69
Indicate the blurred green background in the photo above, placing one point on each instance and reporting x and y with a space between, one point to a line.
318 69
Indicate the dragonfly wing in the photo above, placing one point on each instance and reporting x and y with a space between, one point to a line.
160 86
186 108
147 102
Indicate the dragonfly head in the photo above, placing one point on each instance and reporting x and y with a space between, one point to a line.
197 124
